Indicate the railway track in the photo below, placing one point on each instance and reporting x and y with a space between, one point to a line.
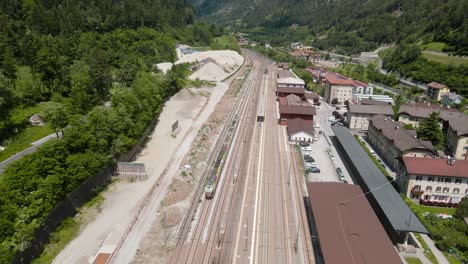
198 246
304 225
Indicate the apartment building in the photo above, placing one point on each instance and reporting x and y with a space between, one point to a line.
358 115
438 182
392 142
338 89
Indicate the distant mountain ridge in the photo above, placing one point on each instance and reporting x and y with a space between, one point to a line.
353 25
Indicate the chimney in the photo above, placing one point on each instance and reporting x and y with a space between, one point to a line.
451 161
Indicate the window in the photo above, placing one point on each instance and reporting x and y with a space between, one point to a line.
438 189
446 189
466 191
429 189
439 179
430 179
448 180
456 190
418 178
458 181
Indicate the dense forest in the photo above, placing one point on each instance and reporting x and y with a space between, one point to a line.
88 68
351 26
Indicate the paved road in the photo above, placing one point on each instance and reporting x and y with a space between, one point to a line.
319 149
437 253
32 149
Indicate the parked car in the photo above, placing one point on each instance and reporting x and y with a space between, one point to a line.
315 137
331 119
309 159
312 164
316 126
372 152
314 170
304 144
306 148
361 139
340 174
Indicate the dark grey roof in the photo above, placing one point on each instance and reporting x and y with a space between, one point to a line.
403 139
394 209
367 101
370 109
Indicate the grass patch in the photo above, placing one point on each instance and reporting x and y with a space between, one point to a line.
445 59
421 209
452 259
23 140
438 210
67 231
374 159
427 251
410 260
299 155
434 46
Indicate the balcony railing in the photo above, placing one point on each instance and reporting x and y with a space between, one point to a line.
417 191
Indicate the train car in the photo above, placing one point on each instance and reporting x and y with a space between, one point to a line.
212 183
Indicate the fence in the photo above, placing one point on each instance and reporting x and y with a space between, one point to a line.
63 210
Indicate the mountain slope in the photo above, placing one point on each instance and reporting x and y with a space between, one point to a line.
353 25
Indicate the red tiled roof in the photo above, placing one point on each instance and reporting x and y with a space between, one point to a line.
336 79
436 85
359 83
300 125
436 167
347 227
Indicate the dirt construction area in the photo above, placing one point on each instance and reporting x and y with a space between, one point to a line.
200 113
159 242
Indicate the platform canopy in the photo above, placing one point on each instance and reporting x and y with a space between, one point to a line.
384 196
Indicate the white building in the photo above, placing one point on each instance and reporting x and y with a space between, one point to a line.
300 130
377 97
440 182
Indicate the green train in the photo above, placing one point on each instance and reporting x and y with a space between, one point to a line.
215 174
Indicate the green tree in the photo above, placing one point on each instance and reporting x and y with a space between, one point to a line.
399 100
429 129
56 115
462 210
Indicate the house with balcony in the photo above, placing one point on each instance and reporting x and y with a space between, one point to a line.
437 182
436 90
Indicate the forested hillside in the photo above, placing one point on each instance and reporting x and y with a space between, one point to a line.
354 25
86 66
